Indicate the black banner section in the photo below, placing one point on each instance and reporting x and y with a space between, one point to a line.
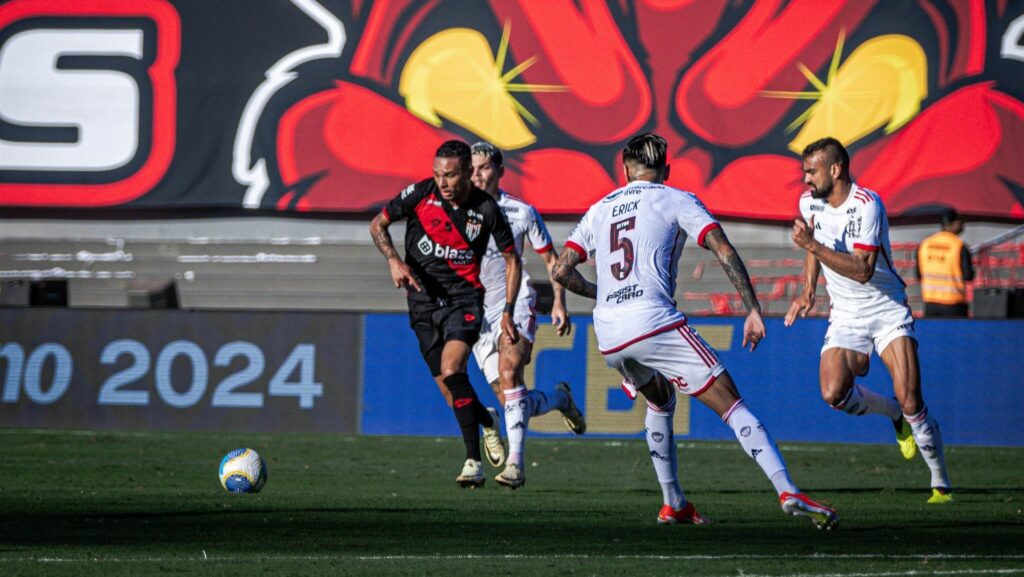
334 106
182 371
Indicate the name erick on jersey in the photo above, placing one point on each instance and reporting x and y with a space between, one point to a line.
859 223
525 224
443 244
636 235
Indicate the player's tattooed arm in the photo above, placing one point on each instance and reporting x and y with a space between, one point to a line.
565 274
381 236
401 274
719 244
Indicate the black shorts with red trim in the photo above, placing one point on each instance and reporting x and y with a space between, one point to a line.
437 321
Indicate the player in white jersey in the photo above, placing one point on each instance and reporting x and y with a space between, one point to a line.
845 231
635 236
502 362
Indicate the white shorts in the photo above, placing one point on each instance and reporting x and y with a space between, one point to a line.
679 354
486 348
871 330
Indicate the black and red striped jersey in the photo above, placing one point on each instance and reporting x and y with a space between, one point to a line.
444 245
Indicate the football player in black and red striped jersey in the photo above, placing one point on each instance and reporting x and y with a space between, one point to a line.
449 222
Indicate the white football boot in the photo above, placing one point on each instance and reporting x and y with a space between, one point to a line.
472 475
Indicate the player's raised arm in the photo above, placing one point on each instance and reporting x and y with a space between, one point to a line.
732 264
565 274
859 265
804 301
401 274
559 313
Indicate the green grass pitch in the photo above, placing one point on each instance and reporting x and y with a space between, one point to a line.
114 503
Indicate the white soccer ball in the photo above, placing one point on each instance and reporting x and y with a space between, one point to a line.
243 471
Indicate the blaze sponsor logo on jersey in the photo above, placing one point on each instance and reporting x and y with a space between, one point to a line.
408 190
816 208
425 246
457 256
89 100
624 294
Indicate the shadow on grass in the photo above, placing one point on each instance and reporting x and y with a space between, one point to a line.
454 530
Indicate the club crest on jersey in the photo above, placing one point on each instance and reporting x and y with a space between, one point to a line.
853 227
474 222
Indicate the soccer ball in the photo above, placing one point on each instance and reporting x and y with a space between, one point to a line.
243 471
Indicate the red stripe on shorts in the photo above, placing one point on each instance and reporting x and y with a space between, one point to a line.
698 346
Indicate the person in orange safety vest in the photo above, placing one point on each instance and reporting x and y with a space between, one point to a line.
944 267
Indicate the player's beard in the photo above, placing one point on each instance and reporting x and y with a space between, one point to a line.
824 191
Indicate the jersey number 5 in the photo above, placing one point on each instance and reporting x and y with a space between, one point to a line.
621 270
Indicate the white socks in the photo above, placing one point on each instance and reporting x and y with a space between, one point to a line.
929 443
752 435
520 405
862 400
756 442
662 444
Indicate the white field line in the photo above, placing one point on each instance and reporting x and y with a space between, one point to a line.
203 556
907 573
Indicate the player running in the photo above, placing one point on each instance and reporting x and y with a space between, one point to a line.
636 235
449 225
502 361
845 231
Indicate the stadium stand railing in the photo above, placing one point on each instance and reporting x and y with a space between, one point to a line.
311 274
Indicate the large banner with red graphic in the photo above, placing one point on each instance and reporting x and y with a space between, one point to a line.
335 106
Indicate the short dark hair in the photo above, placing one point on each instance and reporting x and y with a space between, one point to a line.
647 149
493 153
454 149
835 152
949 216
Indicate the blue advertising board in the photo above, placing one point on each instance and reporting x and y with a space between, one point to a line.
175 370
970 372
